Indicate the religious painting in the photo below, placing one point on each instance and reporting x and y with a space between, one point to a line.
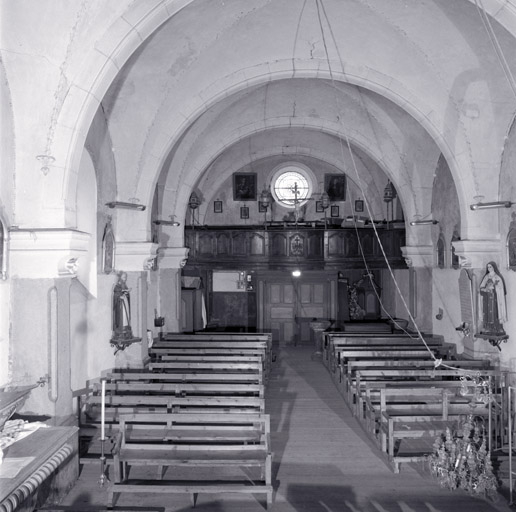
261 207
108 249
244 186
319 207
359 206
334 210
217 206
335 186
244 212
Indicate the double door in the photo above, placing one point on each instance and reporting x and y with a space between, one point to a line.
289 304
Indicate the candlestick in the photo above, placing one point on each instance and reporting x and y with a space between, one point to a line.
103 410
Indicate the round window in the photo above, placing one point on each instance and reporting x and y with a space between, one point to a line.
292 185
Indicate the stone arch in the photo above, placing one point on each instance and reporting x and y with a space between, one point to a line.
136 25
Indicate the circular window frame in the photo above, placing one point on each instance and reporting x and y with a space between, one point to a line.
303 170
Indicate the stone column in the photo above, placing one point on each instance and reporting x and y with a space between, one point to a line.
419 259
170 262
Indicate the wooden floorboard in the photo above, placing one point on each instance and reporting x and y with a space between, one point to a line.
323 460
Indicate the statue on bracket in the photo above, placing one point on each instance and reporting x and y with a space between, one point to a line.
492 308
122 331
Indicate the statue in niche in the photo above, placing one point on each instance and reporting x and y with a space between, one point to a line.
122 311
492 305
511 243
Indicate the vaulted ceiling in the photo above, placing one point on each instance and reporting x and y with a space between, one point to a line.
376 88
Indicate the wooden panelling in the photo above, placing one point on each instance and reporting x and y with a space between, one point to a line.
283 247
256 244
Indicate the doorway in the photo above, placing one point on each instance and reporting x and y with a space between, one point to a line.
289 304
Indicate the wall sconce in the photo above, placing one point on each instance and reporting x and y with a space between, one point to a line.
296 273
494 204
128 206
193 203
170 222
423 222
325 203
263 204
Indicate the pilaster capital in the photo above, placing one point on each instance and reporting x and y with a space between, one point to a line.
172 257
476 253
418 255
134 256
47 253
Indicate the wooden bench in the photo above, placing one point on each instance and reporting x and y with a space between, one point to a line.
421 427
347 371
222 337
332 340
346 354
411 399
356 386
142 375
207 366
193 441
365 344
215 347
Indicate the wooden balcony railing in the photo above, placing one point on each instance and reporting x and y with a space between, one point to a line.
305 246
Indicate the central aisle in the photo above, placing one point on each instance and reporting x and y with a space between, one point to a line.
324 461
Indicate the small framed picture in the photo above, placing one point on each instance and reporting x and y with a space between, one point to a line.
334 210
217 206
318 207
261 207
359 205
244 212
244 186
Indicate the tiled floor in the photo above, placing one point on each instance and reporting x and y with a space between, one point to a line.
323 461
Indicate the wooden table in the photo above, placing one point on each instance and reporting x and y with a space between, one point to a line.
37 481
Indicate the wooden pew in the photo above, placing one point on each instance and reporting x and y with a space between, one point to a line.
356 387
223 337
193 441
334 340
345 354
215 347
207 366
421 427
411 400
144 375
347 370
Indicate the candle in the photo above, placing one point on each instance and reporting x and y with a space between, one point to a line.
103 410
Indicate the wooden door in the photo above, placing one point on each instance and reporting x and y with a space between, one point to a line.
280 311
290 304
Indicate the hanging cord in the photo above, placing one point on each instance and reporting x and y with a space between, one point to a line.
437 361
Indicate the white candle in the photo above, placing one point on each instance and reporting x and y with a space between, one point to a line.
103 410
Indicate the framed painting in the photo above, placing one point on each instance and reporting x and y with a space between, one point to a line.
319 207
244 212
217 206
244 186
261 207
335 186
359 206
334 210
